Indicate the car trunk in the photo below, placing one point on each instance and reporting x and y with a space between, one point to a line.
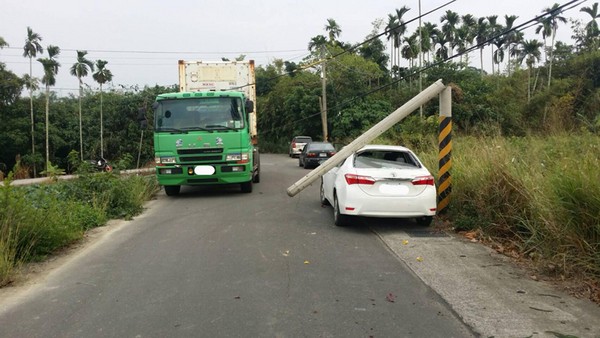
393 182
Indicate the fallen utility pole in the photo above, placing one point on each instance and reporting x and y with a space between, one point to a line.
368 136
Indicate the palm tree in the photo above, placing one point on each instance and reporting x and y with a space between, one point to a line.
80 69
515 40
390 29
493 29
31 83
333 30
481 36
30 49
317 42
102 75
530 52
592 30
498 55
50 70
548 27
400 29
511 39
410 50
465 34
451 20
428 31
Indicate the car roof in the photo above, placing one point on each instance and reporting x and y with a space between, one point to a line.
383 147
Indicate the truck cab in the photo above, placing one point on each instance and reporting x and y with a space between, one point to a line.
204 138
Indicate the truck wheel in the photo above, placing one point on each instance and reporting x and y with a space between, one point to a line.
246 187
172 190
256 178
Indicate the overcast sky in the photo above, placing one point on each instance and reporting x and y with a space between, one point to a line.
143 39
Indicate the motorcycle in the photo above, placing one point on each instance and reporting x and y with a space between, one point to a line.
101 164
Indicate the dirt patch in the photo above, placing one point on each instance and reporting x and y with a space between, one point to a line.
578 286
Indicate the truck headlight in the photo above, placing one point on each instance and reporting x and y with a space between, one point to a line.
237 157
167 160
240 158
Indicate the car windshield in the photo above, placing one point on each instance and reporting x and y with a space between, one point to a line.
320 147
385 159
207 113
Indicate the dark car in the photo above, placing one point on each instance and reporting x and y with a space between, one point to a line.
297 143
315 153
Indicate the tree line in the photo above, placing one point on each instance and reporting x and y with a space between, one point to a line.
364 83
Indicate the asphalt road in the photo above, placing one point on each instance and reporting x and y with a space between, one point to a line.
214 262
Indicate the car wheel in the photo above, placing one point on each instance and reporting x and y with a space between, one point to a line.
324 200
425 220
172 190
246 187
338 218
306 166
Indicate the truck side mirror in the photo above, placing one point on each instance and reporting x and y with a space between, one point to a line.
249 106
141 118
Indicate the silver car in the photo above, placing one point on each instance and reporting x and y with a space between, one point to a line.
297 144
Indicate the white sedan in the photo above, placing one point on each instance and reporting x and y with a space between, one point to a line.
380 181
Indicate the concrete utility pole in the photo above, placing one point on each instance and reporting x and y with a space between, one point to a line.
324 94
368 136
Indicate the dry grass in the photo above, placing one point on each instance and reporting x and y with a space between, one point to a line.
538 195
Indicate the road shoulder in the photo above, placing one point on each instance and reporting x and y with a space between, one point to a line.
488 292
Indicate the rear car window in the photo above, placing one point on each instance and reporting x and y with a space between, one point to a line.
320 147
302 139
385 158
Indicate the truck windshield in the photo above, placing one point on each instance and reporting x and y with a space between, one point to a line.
206 113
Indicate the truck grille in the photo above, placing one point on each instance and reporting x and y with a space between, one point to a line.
189 159
200 151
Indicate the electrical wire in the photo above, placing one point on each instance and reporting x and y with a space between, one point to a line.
521 27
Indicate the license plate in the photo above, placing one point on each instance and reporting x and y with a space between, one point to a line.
204 170
323 155
395 189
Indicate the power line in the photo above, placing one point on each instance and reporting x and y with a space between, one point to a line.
172 52
526 25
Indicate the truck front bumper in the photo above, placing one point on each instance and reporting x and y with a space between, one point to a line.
204 174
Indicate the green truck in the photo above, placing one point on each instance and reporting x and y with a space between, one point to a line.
205 134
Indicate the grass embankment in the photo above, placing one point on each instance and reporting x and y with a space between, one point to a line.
535 196
37 220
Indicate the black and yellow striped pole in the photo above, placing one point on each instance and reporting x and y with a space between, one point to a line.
445 150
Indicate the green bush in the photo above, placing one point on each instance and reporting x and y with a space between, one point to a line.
37 220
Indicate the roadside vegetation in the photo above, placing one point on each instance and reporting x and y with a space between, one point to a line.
526 127
530 197
37 220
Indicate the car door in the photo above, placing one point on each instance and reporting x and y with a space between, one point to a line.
329 179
